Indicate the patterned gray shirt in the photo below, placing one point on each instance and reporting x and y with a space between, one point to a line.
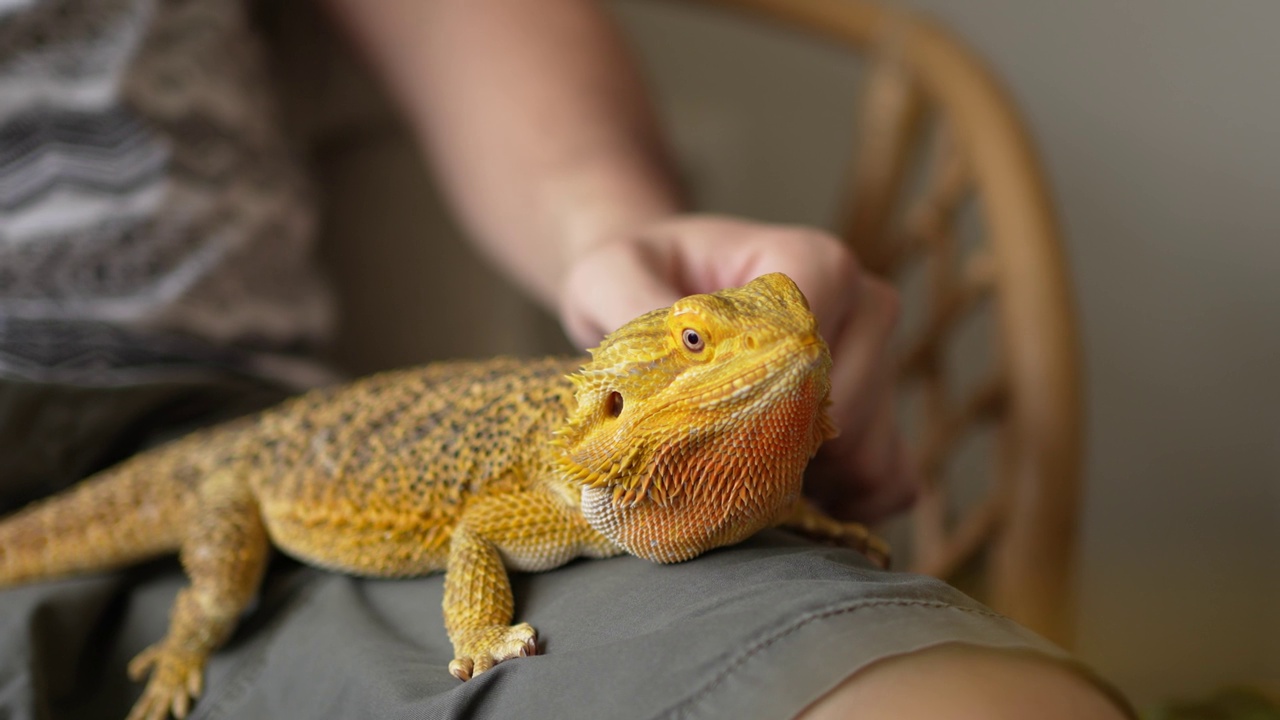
153 223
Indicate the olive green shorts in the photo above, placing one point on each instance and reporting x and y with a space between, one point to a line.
759 630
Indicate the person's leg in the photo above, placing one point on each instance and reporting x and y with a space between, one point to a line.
965 683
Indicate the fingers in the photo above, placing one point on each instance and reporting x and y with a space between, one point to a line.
615 282
825 270
880 460
708 253
859 348
865 473
613 285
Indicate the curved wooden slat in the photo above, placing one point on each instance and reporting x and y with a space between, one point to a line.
888 132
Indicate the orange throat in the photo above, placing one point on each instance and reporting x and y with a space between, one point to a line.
718 482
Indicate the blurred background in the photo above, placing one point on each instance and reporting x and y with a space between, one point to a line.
1158 123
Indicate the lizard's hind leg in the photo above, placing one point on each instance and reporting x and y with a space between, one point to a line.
809 521
224 553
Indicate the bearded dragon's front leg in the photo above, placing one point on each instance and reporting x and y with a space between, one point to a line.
816 525
531 530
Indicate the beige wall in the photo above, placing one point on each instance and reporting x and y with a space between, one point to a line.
1160 124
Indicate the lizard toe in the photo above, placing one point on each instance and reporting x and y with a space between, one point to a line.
176 679
878 551
480 649
461 668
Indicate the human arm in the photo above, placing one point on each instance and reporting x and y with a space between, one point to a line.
534 118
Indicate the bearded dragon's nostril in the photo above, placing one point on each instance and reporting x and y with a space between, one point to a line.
749 342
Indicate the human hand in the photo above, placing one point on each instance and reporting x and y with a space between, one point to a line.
862 474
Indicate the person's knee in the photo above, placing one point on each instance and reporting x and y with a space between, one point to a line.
959 683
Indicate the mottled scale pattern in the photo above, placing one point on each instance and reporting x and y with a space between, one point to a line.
385 467
687 429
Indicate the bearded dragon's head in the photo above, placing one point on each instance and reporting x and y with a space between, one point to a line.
694 423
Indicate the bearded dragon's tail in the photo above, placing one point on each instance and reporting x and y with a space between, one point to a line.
125 514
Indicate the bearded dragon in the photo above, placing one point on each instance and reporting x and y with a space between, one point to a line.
687 429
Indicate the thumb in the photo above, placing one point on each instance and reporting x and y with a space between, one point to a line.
610 287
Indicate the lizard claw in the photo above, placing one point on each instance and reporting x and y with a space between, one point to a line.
461 668
480 649
877 550
176 679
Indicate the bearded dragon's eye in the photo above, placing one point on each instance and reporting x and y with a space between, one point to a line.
613 404
692 340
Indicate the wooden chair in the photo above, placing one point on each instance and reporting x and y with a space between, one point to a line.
929 96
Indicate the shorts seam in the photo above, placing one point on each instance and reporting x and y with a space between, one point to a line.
745 655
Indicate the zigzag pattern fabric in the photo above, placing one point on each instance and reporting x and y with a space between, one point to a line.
154 223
